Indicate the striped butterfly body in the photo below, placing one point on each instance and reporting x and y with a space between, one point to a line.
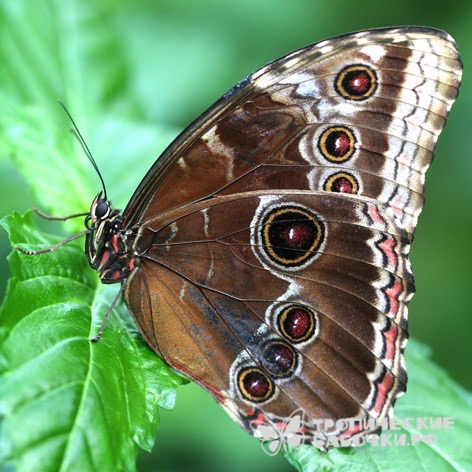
265 254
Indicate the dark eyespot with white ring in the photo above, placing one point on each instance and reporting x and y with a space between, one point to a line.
297 323
291 235
341 182
255 385
356 82
279 358
337 144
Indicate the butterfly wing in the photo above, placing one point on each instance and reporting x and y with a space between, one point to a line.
274 232
265 327
359 113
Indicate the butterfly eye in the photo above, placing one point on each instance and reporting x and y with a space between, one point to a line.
101 210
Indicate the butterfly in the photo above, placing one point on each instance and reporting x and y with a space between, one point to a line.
265 253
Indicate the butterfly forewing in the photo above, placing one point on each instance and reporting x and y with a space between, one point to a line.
358 114
272 236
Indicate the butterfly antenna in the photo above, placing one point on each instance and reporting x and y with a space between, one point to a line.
84 147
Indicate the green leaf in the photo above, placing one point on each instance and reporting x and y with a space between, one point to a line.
69 404
104 396
62 49
89 73
38 67
445 444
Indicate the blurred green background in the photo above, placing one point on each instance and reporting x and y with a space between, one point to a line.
166 63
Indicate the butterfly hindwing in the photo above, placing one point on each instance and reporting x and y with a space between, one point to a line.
215 286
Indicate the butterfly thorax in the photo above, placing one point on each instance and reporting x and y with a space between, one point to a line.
108 245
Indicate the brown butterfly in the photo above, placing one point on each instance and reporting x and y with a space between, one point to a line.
264 255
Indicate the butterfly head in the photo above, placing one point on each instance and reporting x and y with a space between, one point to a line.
100 210
107 245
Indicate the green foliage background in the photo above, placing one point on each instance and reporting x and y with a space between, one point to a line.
135 73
